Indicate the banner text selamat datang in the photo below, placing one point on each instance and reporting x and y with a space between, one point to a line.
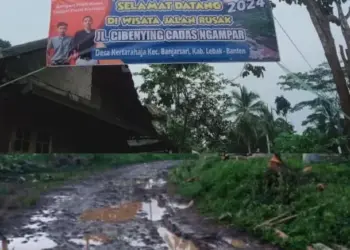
165 27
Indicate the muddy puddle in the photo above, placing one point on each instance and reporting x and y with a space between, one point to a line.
37 241
125 212
112 214
152 211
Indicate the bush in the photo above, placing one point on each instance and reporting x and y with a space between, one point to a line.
239 188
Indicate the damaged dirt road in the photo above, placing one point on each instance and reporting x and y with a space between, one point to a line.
126 208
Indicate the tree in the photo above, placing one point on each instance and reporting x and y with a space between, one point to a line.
342 22
271 127
215 127
295 143
326 121
267 125
282 126
283 106
257 71
4 44
245 109
191 95
318 80
321 14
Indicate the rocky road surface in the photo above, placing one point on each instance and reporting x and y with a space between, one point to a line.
123 209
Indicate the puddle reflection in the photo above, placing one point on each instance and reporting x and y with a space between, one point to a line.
36 241
32 226
42 218
152 210
174 242
92 240
181 206
151 183
134 242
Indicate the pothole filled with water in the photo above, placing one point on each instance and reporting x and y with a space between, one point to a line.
44 218
152 210
134 242
91 240
40 219
155 183
127 211
112 214
36 241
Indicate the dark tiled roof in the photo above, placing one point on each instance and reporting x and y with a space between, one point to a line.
23 48
139 115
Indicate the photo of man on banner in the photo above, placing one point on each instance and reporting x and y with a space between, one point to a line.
83 43
72 32
59 48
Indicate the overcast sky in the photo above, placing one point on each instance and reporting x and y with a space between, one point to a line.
22 21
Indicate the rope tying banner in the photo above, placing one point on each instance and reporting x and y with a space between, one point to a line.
21 77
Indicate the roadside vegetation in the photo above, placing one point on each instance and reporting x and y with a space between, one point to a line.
24 177
302 207
200 110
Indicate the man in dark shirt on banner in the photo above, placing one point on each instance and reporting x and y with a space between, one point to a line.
84 43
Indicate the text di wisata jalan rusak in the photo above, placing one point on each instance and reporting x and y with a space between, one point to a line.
167 21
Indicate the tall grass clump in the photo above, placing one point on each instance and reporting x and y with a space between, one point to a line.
314 206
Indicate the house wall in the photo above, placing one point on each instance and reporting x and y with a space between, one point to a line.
5 135
118 95
71 131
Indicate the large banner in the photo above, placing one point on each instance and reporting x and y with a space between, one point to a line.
109 32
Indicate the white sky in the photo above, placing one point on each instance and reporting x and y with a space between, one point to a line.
22 21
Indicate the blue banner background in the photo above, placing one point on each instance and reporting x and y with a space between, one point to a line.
261 43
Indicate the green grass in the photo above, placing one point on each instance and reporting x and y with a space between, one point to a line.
24 177
238 189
